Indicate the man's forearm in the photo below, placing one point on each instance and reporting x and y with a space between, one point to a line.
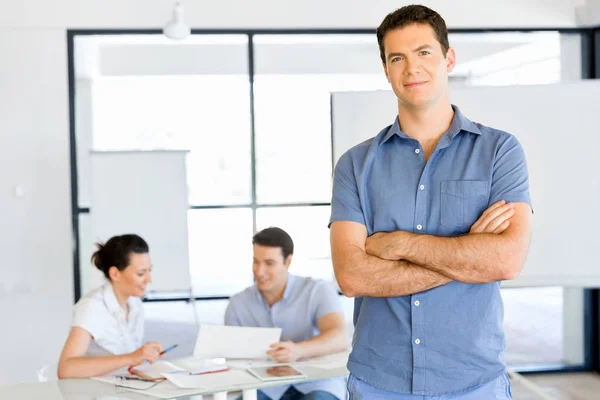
328 342
480 258
369 276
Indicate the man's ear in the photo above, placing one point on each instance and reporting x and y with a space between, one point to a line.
450 59
288 261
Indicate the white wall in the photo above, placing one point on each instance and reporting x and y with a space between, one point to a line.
280 14
588 14
35 234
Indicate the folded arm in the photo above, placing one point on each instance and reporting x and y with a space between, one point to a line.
479 258
362 274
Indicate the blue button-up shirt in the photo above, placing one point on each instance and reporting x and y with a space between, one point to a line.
448 339
305 301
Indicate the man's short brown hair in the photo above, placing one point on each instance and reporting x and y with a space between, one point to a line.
413 14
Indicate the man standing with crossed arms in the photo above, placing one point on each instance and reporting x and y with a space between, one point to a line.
427 218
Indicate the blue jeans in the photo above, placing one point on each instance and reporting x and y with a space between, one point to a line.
293 394
498 389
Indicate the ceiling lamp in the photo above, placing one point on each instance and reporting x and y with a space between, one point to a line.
176 28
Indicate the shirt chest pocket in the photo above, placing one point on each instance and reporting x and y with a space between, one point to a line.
462 203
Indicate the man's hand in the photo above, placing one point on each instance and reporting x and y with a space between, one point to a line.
389 245
285 352
384 244
496 219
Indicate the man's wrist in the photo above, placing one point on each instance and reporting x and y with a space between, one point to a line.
399 248
412 244
300 350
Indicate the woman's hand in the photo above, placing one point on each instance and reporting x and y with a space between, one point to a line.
148 352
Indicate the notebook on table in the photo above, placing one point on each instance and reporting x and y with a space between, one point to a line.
191 366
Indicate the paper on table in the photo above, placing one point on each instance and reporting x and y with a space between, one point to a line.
166 390
156 370
243 363
234 341
219 380
195 365
191 365
331 361
125 383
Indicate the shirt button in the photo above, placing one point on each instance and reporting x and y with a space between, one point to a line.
417 151
417 341
422 187
417 303
419 227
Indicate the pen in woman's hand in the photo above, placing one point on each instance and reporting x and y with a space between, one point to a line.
168 349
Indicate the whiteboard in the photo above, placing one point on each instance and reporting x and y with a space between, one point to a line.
559 127
143 192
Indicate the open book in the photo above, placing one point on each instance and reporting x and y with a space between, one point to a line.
189 366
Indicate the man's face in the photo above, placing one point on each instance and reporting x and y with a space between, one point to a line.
270 268
415 65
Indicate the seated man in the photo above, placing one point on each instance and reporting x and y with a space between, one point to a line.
308 311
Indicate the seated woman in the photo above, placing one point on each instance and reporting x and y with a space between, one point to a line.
108 322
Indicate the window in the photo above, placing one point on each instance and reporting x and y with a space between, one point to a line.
208 115
525 311
508 58
295 75
220 243
308 228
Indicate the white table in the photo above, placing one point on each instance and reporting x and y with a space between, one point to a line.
87 389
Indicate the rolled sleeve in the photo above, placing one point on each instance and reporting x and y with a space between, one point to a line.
510 179
88 315
326 300
345 202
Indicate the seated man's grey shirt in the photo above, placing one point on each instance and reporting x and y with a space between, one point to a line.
305 301
448 339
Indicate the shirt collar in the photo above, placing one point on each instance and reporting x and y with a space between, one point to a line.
291 280
112 304
459 123
110 299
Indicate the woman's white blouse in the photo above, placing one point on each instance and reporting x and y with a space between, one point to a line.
99 313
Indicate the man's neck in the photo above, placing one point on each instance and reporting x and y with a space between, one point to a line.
428 124
276 296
